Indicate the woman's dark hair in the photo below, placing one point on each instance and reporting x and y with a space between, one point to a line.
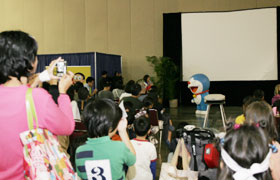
246 145
141 126
101 116
18 52
145 78
71 92
260 112
46 86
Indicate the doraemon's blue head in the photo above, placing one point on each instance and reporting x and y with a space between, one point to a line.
198 83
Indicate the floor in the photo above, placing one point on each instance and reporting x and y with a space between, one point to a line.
187 114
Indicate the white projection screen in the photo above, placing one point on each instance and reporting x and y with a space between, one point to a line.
230 46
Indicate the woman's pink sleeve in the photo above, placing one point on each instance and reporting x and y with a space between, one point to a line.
59 118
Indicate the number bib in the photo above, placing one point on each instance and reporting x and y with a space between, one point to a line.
98 169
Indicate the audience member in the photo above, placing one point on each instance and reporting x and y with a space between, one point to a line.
246 101
117 92
83 96
137 105
18 60
148 82
245 154
74 104
146 154
117 80
143 92
102 80
106 93
90 86
258 94
100 117
260 113
77 86
276 94
276 108
127 89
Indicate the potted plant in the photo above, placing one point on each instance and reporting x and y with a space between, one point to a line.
167 76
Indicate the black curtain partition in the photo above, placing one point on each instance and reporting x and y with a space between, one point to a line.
73 59
107 62
103 62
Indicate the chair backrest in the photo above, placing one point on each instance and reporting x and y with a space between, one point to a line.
153 115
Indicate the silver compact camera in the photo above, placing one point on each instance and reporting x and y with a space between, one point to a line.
61 68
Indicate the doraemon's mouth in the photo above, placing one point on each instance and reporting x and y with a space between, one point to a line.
194 89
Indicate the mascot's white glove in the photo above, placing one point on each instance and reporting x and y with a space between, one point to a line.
197 99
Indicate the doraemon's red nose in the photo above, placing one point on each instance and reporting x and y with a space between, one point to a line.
189 82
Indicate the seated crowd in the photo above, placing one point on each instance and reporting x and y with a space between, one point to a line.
114 122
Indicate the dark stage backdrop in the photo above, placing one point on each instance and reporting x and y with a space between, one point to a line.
234 91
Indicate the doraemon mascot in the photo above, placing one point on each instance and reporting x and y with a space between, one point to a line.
199 85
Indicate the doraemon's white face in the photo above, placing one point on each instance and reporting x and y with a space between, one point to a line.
195 86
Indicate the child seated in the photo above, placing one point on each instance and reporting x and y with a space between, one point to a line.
101 117
246 101
146 155
245 154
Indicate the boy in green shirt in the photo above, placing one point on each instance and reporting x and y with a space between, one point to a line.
100 118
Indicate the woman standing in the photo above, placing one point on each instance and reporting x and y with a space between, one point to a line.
18 61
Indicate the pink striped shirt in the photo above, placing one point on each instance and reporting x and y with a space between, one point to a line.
56 118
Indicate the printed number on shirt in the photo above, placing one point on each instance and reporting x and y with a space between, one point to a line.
98 169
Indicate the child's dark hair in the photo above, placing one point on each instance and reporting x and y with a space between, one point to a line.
258 93
131 112
148 101
136 89
246 145
260 112
128 86
78 85
101 116
83 93
141 126
89 79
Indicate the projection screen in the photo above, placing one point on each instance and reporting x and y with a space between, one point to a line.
230 46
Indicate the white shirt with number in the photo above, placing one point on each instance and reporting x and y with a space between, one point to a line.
145 154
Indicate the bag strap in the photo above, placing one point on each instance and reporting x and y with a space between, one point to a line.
30 109
174 160
193 146
185 160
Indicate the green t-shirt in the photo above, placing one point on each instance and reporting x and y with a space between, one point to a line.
104 148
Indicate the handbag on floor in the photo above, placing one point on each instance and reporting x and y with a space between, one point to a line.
43 157
169 171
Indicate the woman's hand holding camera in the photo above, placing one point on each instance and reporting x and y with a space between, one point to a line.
65 82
